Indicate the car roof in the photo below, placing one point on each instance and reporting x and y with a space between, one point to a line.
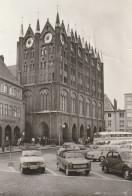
30 149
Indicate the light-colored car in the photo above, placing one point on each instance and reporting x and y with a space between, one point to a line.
66 145
73 161
72 146
32 159
99 153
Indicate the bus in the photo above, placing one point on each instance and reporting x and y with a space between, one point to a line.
112 137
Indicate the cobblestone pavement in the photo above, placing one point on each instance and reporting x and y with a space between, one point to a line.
56 183
16 184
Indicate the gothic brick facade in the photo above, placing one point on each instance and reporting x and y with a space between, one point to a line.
63 83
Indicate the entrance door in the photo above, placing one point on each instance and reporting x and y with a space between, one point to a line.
81 131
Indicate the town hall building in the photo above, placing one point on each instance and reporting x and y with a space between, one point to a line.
63 84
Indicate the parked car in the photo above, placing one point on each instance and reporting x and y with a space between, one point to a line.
31 160
99 153
119 161
73 161
73 146
66 145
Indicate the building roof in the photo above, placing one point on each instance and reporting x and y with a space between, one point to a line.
108 106
6 74
12 69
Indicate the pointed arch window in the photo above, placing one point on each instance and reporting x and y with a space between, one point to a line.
73 100
44 99
28 100
94 109
88 107
64 97
81 105
99 110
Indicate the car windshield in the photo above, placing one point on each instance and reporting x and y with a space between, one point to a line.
31 153
126 155
74 155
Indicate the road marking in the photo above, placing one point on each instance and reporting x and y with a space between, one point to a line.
100 175
13 170
52 172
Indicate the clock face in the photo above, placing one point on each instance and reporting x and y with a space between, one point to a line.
63 39
98 67
79 52
47 37
29 42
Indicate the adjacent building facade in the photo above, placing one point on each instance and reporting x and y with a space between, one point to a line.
128 108
12 112
63 84
114 118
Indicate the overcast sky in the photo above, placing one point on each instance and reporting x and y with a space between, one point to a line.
107 24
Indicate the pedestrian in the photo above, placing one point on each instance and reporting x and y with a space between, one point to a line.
43 141
33 141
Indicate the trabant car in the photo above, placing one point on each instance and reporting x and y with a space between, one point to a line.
73 161
32 159
99 153
72 146
66 145
119 162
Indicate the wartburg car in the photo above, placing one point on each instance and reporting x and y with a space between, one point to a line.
119 162
32 160
99 153
73 161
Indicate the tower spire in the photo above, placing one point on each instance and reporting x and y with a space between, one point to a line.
76 40
37 25
21 30
68 31
57 20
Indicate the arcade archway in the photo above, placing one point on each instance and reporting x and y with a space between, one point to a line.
74 133
100 129
28 132
0 136
44 130
16 135
65 133
8 135
81 131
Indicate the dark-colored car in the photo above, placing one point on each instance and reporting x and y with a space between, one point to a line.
119 161
73 161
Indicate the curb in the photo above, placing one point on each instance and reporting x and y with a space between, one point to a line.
19 150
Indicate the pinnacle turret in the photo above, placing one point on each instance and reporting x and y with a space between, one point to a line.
21 31
57 20
83 43
68 31
76 40
37 27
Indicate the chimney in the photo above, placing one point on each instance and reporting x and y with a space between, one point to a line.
115 104
2 58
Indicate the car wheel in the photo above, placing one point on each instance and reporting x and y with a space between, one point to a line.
67 172
23 170
126 174
101 158
42 170
106 169
58 167
86 173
